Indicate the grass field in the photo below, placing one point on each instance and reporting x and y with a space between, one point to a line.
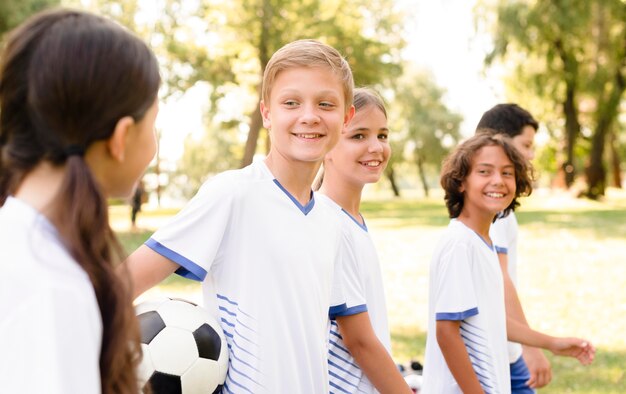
572 275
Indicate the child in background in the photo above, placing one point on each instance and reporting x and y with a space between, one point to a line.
466 348
75 129
269 255
359 358
533 369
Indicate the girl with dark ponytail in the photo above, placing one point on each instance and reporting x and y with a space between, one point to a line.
78 101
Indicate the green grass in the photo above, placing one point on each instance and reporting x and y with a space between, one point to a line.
572 275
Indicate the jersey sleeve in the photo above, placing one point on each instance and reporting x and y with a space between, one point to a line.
192 238
51 344
455 294
348 283
498 232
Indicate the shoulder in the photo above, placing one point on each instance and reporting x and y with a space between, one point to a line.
232 182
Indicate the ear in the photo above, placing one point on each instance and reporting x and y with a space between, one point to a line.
349 115
117 142
265 114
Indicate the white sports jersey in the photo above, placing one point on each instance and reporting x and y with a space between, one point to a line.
503 233
268 269
361 261
50 325
466 285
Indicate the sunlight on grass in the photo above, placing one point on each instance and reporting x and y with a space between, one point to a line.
572 274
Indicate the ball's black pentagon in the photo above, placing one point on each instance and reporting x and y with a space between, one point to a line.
150 324
163 383
218 389
208 341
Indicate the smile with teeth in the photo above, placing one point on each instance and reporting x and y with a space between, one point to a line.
495 195
308 136
373 163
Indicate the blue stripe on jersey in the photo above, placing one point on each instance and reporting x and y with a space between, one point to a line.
456 315
476 346
304 208
501 250
188 269
333 365
353 310
338 387
363 226
243 361
335 310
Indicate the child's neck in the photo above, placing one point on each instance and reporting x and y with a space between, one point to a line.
295 177
40 186
479 223
346 195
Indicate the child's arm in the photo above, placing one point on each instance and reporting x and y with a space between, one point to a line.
371 356
147 268
537 363
455 354
578 348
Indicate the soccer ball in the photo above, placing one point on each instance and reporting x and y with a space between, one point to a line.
412 375
184 349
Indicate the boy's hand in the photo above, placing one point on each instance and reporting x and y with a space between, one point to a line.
574 347
538 366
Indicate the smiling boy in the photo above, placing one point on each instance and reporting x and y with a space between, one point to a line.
267 254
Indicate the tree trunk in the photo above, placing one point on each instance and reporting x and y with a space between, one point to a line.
422 174
572 125
389 172
256 121
616 170
607 114
572 129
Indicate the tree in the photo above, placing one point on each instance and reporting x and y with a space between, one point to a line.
573 53
250 31
14 12
426 123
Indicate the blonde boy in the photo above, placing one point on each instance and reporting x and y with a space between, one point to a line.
266 253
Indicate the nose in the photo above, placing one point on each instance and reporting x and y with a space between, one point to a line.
496 178
375 146
309 115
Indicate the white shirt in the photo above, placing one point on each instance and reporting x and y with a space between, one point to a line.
503 233
466 285
360 261
268 266
50 325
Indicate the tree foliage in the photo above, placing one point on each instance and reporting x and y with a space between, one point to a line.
13 12
572 54
426 125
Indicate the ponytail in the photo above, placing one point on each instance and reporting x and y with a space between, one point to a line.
81 208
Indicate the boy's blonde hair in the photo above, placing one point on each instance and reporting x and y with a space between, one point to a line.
308 53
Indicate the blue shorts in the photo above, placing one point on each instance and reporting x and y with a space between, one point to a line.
519 377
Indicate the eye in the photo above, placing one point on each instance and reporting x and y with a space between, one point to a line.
358 136
290 103
327 105
383 136
508 173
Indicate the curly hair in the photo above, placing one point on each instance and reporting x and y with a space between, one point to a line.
457 166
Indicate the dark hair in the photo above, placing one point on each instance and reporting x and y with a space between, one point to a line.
67 77
509 119
457 166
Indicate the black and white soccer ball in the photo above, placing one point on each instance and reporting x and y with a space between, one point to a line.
184 349
412 375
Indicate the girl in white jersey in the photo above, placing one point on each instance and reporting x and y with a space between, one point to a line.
359 358
467 331
78 101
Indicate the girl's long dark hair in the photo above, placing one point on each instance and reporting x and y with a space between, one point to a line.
66 78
